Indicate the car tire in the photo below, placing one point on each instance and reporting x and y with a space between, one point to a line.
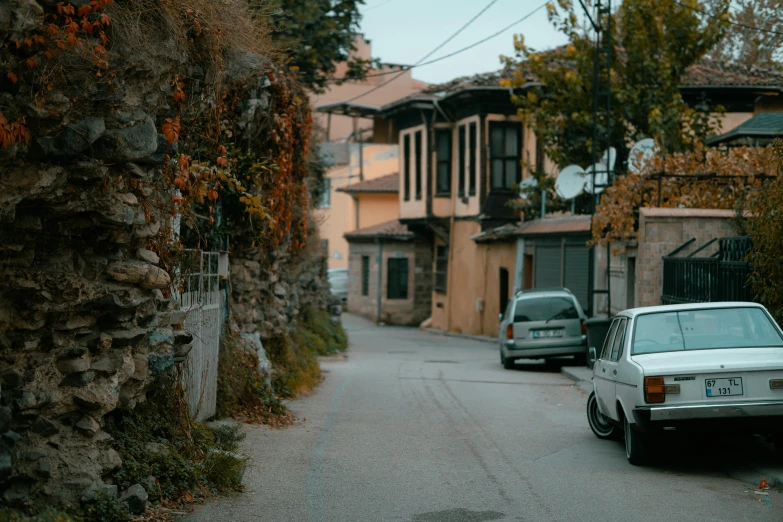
508 364
601 426
637 445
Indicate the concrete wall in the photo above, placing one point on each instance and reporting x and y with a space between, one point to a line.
410 311
375 209
342 126
661 231
340 216
472 303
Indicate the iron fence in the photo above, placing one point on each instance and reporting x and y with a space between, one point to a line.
197 289
721 277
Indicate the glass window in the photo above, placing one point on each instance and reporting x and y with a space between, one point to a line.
397 278
417 153
704 329
607 347
461 159
473 151
532 309
619 338
326 194
443 181
406 167
365 275
505 155
441 268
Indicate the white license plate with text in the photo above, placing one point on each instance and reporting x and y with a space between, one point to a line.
541 334
723 387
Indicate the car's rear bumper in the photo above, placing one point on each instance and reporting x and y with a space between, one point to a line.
546 348
748 414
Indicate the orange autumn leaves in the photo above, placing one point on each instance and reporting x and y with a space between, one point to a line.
705 178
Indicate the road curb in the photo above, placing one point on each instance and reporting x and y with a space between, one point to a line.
572 373
481 338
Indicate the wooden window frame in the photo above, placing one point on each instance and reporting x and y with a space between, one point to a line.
505 125
406 167
443 184
365 275
473 151
441 271
393 271
418 154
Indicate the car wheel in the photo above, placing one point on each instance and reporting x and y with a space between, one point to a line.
637 445
601 426
508 364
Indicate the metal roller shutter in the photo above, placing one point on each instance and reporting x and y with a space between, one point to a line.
577 270
547 264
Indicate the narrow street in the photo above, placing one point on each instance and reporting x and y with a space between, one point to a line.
418 427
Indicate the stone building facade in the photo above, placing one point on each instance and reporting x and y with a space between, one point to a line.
405 292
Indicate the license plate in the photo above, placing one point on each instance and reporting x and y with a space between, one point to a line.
723 387
540 334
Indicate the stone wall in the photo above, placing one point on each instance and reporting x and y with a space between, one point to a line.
661 231
410 311
268 290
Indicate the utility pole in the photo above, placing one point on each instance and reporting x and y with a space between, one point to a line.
601 21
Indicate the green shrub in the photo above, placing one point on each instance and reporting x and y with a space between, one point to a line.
47 515
241 389
102 509
184 464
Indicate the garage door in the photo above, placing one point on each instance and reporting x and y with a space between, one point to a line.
577 270
547 264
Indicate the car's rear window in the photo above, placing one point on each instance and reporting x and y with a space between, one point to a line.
703 330
532 309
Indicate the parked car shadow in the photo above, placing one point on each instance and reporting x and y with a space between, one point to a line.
684 453
545 365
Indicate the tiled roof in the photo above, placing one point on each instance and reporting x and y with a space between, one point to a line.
496 234
762 125
388 184
389 230
555 225
709 73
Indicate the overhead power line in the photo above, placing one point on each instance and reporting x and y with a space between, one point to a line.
419 62
371 7
730 22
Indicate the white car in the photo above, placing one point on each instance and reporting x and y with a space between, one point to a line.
703 367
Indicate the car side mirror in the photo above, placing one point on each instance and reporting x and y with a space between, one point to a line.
592 355
500 317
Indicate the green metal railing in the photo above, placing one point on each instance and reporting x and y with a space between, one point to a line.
721 277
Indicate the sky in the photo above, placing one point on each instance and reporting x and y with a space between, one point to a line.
404 31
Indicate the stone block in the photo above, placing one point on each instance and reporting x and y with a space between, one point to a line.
88 400
109 363
66 366
88 426
156 278
136 499
129 271
45 427
148 255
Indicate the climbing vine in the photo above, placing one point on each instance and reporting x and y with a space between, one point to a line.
704 178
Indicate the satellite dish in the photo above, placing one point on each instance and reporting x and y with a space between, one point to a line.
640 153
609 158
527 187
570 182
601 178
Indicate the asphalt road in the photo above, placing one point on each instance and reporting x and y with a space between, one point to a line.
411 426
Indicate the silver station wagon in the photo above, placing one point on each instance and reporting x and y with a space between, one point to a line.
542 324
709 368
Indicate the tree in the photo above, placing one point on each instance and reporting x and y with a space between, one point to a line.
320 34
744 43
654 42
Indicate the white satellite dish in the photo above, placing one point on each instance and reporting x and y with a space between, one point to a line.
570 182
609 158
601 178
527 187
640 153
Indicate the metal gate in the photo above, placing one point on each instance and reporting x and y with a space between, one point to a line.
199 296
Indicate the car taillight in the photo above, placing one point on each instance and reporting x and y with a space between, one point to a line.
510 332
654 390
584 327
